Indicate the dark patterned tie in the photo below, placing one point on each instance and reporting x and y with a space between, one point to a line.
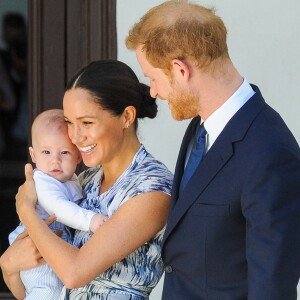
195 158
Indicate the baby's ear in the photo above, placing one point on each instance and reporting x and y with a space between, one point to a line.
31 152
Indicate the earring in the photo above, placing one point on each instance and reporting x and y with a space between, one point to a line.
127 126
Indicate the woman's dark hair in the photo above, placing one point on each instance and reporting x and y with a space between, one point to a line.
115 86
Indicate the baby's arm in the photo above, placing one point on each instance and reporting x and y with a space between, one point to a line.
53 198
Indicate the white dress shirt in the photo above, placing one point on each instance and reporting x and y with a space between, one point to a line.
216 122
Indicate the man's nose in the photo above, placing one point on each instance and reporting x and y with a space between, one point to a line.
153 90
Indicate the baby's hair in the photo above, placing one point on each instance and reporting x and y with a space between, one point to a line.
53 118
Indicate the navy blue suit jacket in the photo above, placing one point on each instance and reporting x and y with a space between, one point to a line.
234 231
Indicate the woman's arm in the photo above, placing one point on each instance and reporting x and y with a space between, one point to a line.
135 222
14 283
21 254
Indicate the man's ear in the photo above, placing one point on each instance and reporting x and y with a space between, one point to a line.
31 152
181 69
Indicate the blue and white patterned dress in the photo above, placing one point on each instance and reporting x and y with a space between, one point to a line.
136 275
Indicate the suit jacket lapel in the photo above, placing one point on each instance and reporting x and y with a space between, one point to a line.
181 159
219 154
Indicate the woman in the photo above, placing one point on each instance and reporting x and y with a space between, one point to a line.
121 260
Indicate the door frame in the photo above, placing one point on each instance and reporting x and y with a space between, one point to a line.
63 37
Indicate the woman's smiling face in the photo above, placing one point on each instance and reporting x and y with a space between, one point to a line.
96 132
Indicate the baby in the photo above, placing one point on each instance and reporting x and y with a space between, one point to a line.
59 193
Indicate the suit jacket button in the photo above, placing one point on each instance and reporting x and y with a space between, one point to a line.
168 269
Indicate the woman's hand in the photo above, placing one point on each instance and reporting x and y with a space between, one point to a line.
26 196
22 254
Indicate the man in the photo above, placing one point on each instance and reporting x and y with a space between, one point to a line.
234 226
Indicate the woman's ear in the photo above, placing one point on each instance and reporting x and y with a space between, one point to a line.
180 69
129 115
31 152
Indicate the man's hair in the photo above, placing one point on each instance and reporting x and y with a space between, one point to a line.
180 30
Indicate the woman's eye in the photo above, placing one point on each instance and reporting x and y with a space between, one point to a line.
87 123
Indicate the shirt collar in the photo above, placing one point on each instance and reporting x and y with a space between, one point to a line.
216 122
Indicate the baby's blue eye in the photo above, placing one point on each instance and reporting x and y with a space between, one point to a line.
65 152
46 152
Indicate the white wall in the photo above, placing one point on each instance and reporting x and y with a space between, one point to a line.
264 44
162 135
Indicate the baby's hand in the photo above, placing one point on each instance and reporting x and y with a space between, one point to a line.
97 221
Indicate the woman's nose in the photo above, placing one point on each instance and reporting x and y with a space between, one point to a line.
75 135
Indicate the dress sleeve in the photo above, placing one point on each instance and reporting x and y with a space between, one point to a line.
155 177
53 197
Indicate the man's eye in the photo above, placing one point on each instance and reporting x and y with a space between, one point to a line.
87 123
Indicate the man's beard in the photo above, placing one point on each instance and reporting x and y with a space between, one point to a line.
183 104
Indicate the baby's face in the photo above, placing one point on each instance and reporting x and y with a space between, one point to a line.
54 154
